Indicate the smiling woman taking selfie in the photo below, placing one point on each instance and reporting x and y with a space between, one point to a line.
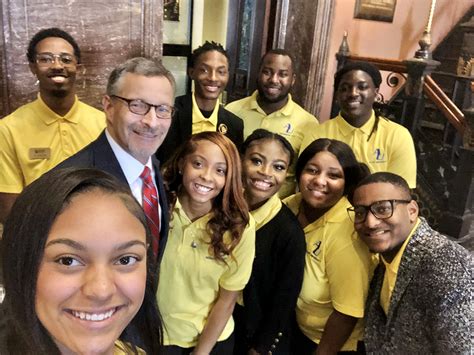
338 265
79 276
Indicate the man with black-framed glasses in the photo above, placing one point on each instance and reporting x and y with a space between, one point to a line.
139 109
40 134
420 299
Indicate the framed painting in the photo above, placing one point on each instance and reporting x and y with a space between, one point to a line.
375 10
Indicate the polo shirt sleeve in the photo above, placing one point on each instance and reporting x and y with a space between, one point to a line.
11 178
238 272
348 268
402 156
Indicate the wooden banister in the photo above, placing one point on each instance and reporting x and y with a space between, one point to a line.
394 65
452 113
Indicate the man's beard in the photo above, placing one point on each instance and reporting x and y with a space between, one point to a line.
264 98
59 93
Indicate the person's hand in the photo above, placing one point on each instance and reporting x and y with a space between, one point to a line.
252 351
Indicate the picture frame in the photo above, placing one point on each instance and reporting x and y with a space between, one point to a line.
375 10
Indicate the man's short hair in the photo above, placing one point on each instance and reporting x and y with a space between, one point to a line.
279 51
207 47
47 33
383 177
140 66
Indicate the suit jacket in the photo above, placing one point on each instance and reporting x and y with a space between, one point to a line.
182 127
430 310
100 155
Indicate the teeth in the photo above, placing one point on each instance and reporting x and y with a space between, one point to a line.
212 88
58 79
202 188
262 184
273 90
94 317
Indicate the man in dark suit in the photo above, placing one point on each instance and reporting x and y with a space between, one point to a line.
420 299
139 108
201 110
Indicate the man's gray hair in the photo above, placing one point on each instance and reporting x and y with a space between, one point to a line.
140 66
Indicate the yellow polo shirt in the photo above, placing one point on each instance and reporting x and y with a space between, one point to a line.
201 123
338 269
34 139
391 271
190 277
266 212
121 348
291 121
390 148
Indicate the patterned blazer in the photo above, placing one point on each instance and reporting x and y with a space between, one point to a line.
430 310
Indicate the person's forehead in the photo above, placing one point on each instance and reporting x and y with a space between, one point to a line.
53 45
277 60
211 55
136 82
377 191
356 75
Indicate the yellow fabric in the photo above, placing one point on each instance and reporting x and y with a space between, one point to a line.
390 148
36 126
190 277
338 268
121 349
391 271
201 123
291 121
266 212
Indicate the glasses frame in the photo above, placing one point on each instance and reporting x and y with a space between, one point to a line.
129 101
369 209
56 57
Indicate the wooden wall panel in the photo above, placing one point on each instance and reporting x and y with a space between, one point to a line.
108 32
303 28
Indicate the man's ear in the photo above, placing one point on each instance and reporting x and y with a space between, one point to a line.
33 68
413 210
191 73
108 107
294 79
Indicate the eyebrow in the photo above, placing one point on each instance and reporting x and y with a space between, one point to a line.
76 245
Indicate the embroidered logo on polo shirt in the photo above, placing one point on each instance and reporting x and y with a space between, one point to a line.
288 128
315 250
39 153
379 155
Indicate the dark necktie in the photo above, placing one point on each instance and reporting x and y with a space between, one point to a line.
150 206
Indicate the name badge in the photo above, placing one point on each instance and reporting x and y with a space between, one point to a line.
39 153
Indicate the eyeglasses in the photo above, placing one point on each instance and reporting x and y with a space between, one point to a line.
47 59
141 108
380 210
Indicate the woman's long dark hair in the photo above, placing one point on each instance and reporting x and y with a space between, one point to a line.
24 238
229 209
